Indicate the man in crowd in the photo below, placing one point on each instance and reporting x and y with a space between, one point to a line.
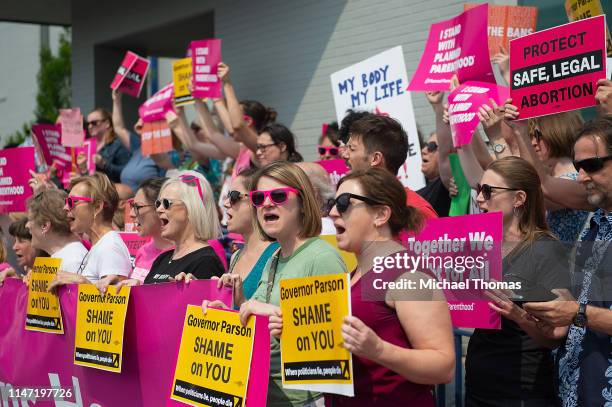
585 359
434 192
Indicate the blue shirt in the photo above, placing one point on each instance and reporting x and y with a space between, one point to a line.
115 156
139 168
584 361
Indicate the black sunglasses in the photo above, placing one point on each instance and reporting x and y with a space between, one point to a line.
592 164
165 203
487 189
235 196
95 122
342 201
431 146
323 150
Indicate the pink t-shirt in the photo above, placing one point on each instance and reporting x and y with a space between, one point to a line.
145 256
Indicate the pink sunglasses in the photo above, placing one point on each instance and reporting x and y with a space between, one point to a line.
192 180
278 196
71 200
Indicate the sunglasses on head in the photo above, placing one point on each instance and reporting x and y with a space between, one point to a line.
278 196
431 146
193 181
165 203
323 150
487 189
71 200
592 164
235 196
343 201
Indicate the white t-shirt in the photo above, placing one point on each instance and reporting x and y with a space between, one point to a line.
72 256
108 256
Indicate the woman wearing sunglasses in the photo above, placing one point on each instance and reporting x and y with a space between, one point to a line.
402 344
513 366
285 208
276 143
188 217
329 145
90 206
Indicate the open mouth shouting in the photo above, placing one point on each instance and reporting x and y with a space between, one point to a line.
270 218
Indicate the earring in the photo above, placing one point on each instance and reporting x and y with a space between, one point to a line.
516 211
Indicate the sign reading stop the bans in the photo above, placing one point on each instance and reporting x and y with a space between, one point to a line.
214 359
312 355
100 322
44 312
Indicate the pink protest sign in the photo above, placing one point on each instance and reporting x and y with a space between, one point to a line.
131 74
456 46
152 336
335 168
156 107
15 166
458 251
556 70
88 149
205 57
463 105
134 242
71 122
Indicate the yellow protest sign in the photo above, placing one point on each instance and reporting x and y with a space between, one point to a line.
98 340
349 258
312 355
181 76
581 9
214 359
44 314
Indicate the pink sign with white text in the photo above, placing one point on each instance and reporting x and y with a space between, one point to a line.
156 107
71 122
463 105
557 70
335 168
205 58
88 149
462 252
131 74
456 46
15 166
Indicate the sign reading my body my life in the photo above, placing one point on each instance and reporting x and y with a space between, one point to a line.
455 46
556 70
378 85
43 314
312 355
205 57
100 323
181 76
15 166
214 360
131 74
508 22
463 105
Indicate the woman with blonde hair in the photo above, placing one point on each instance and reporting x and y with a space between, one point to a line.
513 366
188 216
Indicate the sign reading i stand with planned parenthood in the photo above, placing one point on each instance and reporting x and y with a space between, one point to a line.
556 70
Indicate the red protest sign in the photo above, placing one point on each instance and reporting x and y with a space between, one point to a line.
131 74
506 23
156 138
455 46
556 70
71 122
205 57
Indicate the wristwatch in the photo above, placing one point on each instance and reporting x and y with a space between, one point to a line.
580 320
499 148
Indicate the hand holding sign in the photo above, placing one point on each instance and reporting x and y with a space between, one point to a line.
360 339
604 95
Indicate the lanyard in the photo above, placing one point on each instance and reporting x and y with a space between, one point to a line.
272 276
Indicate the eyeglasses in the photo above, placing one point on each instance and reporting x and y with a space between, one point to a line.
95 122
71 200
487 189
137 207
342 201
592 164
192 180
165 203
324 150
278 196
235 196
431 146
263 147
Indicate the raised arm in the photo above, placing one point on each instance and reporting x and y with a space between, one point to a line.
200 151
445 142
224 115
118 123
226 147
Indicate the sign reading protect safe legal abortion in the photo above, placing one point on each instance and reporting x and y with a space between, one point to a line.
14 176
214 359
312 356
100 322
44 314
556 70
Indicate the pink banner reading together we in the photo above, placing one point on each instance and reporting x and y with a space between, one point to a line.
456 46
153 331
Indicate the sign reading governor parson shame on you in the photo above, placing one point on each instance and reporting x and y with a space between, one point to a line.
556 70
